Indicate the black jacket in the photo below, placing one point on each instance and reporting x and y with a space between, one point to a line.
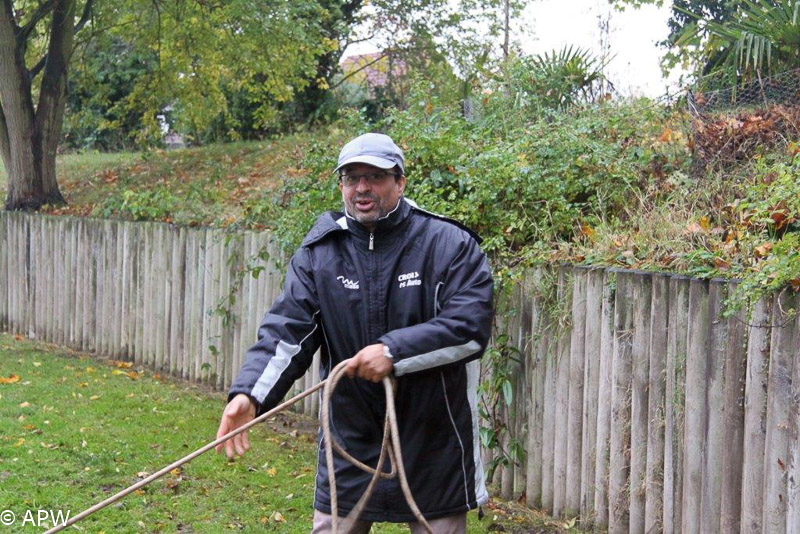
421 285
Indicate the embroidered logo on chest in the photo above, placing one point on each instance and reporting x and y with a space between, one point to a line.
347 283
409 280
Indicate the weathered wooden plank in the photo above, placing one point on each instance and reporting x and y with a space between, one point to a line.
81 282
190 351
523 384
714 417
793 466
164 270
591 355
550 361
536 364
204 275
126 315
659 326
29 289
35 277
677 339
640 357
71 271
694 412
87 295
229 262
577 367
604 396
179 302
733 423
562 400
620 440
141 300
776 445
235 327
755 416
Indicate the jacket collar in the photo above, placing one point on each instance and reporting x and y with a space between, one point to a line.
384 225
331 222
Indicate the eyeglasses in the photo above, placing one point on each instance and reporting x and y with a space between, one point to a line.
372 178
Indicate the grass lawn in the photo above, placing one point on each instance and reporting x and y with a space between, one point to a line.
77 429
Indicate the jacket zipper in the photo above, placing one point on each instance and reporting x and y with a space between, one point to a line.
371 241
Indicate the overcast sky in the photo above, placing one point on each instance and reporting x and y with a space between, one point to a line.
634 68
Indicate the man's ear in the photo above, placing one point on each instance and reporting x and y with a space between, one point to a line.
401 183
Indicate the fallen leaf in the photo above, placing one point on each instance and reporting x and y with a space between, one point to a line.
279 518
175 472
121 365
18 337
94 397
272 471
10 379
37 364
763 250
20 442
24 404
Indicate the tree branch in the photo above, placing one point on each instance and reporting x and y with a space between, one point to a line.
85 16
41 12
362 67
36 69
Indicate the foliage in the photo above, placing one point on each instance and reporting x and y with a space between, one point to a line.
558 79
760 37
98 114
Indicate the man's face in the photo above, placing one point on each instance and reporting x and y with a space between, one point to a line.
374 194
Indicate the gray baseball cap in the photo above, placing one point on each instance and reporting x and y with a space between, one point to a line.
373 149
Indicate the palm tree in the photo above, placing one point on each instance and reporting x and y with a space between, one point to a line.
761 37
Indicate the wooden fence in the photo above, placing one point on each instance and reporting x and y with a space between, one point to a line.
641 408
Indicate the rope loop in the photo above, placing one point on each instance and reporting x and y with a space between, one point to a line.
390 447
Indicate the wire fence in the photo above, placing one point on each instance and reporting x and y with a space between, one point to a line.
732 124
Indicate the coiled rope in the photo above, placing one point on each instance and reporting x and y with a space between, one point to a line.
389 433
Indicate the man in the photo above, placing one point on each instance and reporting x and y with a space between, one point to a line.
401 291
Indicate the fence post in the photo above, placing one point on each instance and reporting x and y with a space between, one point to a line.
654 476
755 415
619 448
711 500
604 395
561 400
776 447
640 374
577 366
694 420
592 359
733 426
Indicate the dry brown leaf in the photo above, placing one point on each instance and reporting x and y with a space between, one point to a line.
11 379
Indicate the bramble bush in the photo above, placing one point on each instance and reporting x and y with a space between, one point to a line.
521 180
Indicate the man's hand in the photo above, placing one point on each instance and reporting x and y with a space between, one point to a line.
238 412
369 364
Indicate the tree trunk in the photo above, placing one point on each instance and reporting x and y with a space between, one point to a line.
28 136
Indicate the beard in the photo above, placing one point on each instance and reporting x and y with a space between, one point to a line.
377 211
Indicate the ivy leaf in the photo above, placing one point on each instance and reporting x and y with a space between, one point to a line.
508 392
